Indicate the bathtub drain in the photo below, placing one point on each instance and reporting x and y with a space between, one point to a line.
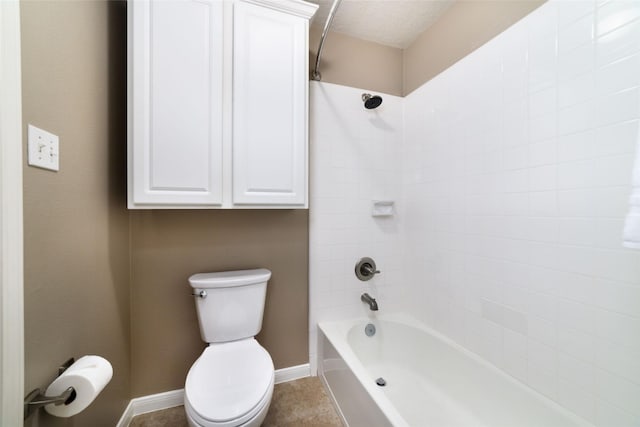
370 330
381 382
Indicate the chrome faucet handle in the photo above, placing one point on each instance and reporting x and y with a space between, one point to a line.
366 269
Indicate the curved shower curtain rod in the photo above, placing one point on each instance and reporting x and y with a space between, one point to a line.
315 74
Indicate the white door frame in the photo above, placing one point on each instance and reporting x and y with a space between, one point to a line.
11 234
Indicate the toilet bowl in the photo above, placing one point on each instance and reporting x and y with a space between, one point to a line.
231 383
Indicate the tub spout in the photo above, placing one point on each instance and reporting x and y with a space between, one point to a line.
373 305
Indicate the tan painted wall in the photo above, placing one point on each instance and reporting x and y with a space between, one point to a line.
464 27
357 63
169 246
75 221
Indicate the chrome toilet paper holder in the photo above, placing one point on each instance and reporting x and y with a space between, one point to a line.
36 400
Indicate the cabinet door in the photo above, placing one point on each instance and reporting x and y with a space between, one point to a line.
269 107
175 93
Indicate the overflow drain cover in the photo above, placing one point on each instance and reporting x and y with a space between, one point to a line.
381 382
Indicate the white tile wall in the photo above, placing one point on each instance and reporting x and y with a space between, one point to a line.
534 217
511 174
355 159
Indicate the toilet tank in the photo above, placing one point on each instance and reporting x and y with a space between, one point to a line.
234 303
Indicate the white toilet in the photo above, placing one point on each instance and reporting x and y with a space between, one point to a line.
231 383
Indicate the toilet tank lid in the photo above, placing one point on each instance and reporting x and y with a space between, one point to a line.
228 279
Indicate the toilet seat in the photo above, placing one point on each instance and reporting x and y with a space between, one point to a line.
254 419
229 384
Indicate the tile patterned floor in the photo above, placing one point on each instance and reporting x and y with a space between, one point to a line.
300 403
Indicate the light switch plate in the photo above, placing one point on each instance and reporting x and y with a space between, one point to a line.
43 150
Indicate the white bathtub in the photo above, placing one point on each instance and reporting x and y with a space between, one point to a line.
431 381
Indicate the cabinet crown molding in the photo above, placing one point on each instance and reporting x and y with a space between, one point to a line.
299 8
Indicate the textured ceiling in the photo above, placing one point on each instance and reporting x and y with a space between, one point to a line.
394 23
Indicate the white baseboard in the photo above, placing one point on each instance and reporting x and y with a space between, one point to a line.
292 373
170 399
150 403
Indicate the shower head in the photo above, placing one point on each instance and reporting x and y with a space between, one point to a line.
371 101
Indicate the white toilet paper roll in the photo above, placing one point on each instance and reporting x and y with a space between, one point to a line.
88 376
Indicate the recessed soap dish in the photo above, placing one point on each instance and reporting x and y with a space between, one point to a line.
382 208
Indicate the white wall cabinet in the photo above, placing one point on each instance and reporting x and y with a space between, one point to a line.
218 103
